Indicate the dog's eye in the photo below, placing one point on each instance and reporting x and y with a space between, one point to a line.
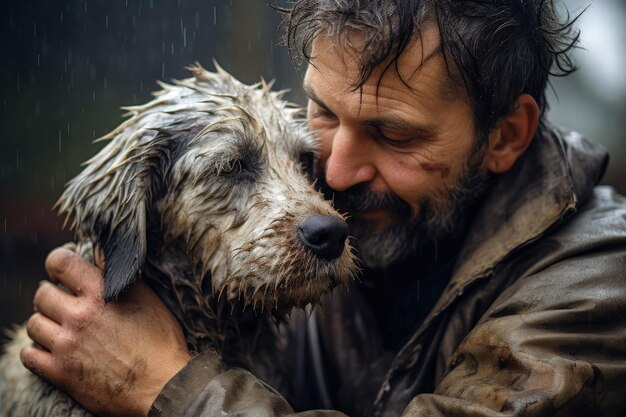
307 161
232 167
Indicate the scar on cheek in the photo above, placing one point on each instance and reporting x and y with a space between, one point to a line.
443 169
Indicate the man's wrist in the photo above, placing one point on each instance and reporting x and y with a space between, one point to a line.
185 385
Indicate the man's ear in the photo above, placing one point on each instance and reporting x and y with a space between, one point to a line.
512 135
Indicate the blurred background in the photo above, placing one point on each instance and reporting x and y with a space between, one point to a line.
67 66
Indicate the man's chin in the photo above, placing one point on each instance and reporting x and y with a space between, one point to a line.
379 245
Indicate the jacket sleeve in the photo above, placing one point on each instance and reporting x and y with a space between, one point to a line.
553 344
204 388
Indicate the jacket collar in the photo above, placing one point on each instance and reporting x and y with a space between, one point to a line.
555 175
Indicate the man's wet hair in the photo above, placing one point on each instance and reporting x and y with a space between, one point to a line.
495 50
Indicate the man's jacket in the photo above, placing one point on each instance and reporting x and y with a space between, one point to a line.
532 322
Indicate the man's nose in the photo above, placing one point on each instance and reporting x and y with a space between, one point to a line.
350 161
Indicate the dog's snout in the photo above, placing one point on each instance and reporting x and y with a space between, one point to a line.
325 236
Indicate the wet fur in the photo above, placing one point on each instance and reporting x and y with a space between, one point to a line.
200 193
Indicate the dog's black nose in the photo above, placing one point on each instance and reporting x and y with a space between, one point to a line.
325 236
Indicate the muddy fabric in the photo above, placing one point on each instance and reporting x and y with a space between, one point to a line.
531 323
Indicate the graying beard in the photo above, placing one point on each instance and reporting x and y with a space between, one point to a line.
406 237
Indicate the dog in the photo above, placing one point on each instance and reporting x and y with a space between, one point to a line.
206 193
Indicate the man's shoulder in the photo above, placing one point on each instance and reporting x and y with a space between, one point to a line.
599 221
595 230
579 259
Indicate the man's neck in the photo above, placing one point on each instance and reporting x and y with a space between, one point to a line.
401 295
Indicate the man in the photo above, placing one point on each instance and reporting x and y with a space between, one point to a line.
493 279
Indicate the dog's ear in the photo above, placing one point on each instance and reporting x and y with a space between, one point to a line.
124 249
109 202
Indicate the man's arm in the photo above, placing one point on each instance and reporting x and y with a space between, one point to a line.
115 359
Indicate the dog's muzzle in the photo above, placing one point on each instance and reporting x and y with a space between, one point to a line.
325 236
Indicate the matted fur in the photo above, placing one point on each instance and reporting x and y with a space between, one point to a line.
201 193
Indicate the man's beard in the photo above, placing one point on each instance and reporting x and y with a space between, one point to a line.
437 218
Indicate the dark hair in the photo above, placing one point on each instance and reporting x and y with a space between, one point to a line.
500 48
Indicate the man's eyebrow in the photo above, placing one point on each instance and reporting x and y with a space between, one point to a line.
389 123
397 124
310 93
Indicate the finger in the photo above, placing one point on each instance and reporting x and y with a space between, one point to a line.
71 246
53 302
43 331
74 272
39 361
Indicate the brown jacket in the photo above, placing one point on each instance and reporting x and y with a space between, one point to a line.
532 323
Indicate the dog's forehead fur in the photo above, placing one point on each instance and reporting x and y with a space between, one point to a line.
218 104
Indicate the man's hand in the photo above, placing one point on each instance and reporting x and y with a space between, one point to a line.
114 358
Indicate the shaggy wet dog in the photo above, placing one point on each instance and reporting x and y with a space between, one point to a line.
205 193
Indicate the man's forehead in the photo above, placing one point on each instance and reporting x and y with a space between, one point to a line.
421 62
